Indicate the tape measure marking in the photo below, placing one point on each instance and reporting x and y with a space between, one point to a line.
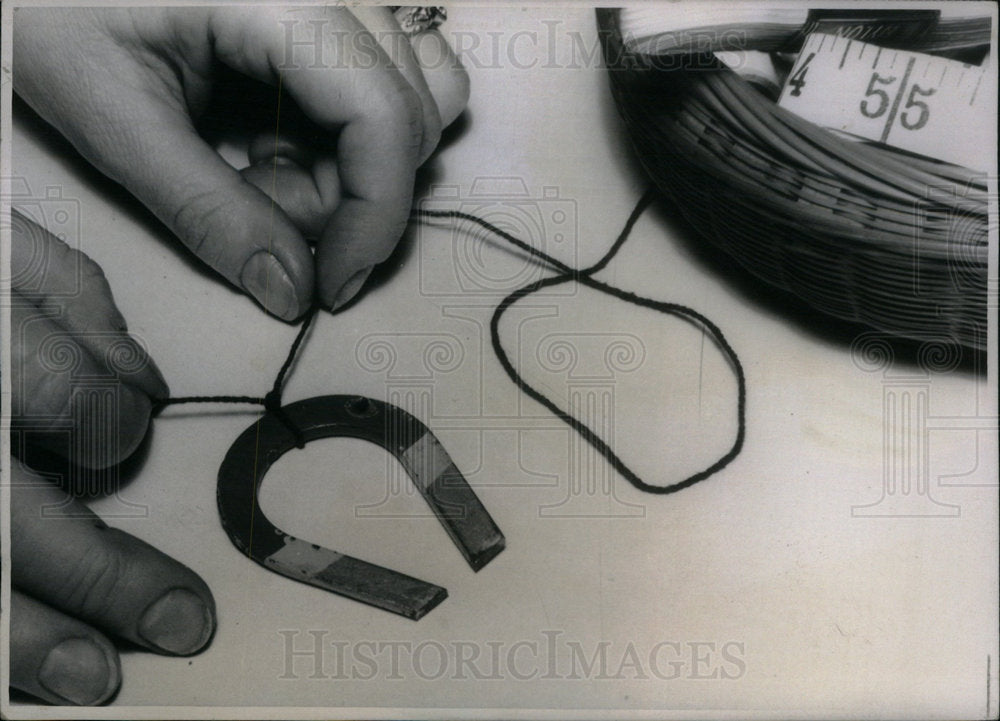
975 90
913 101
844 56
895 101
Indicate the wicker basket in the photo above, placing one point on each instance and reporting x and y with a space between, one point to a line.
861 232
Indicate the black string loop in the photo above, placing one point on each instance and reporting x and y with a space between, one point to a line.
585 277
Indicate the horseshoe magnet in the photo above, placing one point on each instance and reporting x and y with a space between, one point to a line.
439 481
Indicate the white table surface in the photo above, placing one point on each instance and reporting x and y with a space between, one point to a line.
768 585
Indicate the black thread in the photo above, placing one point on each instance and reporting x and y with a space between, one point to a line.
584 277
457 214
162 402
272 401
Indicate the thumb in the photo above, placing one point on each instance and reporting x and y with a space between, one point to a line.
130 120
67 400
64 556
223 219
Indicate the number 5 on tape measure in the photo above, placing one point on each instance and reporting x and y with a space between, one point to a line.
921 103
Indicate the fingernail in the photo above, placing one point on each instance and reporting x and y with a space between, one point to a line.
80 672
265 279
179 622
350 289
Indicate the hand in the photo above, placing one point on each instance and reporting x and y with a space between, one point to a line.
74 579
123 85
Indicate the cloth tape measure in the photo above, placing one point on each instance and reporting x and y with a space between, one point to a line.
940 108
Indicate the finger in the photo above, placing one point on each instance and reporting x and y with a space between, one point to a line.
66 557
137 131
350 87
58 658
303 179
304 182
68 286
281 147
65 399
227 222
443 72
382 24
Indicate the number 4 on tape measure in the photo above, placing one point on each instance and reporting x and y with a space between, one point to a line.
925 104
797 80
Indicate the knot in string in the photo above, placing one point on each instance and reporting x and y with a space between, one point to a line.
271 401
272 404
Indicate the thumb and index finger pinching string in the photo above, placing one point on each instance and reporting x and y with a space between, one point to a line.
437 478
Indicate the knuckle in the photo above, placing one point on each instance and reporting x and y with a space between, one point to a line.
92 586
196 221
